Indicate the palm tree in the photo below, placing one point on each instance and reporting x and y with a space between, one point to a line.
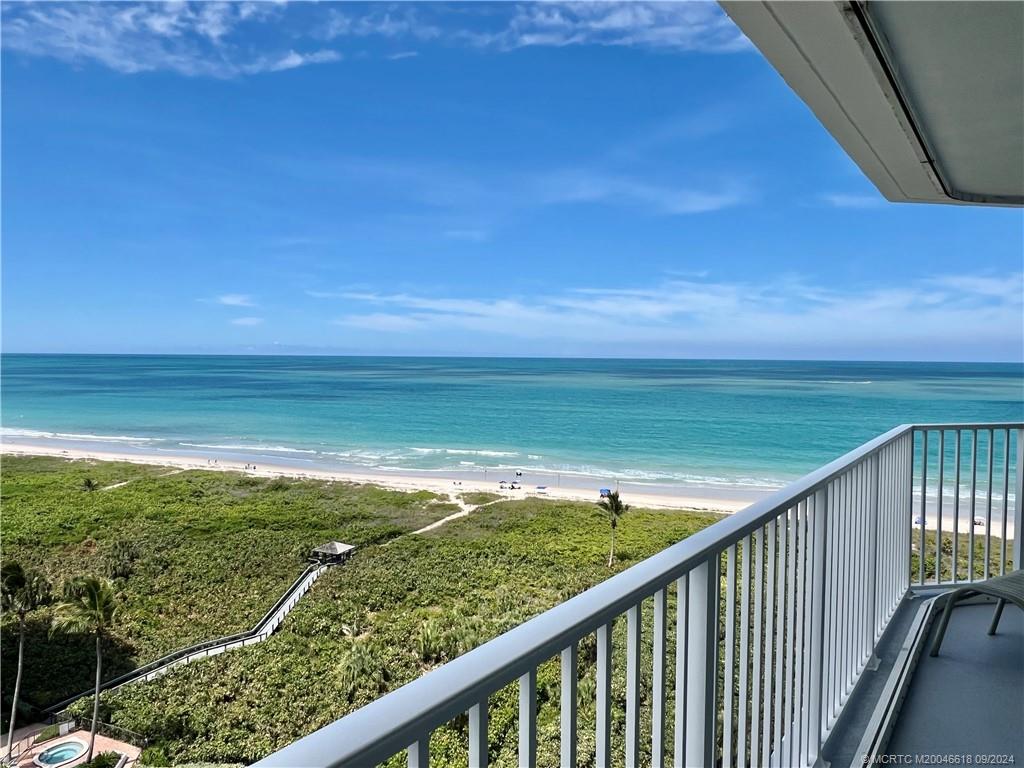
89 484
90 606
23 591
613 505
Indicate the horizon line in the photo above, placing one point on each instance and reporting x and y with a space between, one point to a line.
513 357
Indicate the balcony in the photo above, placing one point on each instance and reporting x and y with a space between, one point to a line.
789 634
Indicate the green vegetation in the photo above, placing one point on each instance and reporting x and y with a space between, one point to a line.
965 561
214 549
102 760
480 497
193 555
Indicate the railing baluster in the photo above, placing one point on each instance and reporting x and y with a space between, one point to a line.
850 557
819 558
682 654
956 509
799 648
755 687
1018 502
744 697
924 501
528 719
730 647
658 681
569 706
702 645
780 636
633 622
603 748
938 513
988 502
770 612
1006 502
907 526
828 637
974 504
478 735
419 753
872 510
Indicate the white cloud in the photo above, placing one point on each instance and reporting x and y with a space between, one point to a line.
247 321
388 22
686 316
235 300
187 38
589 187
853 201
681 26
207 39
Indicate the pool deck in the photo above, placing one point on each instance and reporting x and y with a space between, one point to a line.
103 744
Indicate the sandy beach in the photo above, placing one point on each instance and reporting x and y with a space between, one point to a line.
440 483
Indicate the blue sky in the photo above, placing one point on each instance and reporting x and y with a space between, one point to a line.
595 179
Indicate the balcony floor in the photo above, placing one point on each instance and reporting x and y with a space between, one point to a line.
970 698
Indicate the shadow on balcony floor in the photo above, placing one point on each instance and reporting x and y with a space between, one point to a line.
969 700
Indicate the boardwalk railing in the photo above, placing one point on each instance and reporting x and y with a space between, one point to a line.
777 611
261 631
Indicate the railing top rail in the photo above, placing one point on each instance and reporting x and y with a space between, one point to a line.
388 725
971 425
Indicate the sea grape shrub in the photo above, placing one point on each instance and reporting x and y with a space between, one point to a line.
120 560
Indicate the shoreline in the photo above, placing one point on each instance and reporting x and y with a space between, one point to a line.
443 483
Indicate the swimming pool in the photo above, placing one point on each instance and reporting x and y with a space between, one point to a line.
61 753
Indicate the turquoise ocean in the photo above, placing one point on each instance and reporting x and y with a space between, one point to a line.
711 424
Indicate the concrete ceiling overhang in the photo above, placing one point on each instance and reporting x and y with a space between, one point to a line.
926 97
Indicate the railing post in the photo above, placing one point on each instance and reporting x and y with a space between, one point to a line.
1018 502
819 556
702 647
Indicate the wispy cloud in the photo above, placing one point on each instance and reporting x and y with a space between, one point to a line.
853 201
483 194
678 26
681 26
192 39
687 316
591 187
209 39
235 300
247 321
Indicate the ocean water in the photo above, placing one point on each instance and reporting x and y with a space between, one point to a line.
689 423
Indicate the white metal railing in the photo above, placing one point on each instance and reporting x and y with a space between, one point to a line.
776 612
965 476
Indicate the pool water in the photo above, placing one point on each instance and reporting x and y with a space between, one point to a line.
61 753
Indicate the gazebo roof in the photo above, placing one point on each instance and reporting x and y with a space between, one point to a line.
334 548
